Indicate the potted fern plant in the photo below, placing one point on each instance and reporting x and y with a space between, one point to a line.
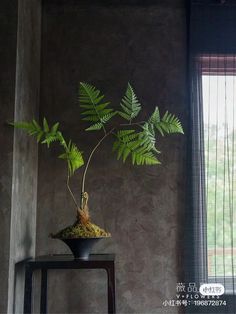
134 140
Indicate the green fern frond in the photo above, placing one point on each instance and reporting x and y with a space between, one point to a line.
49 135
169 123
127 135
46 135
148 137
94 109
123 133
49 138
73 157
95 127
107 117
99 125
144 158
130 105
45 125
155 117
43 134
124 137
93 112
54 128
128 142
92 118
61 140
32 128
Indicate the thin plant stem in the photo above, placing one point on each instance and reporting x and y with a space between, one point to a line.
88 162
71 193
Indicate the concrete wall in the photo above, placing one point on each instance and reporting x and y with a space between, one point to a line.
8 34
142 207
25 152
20 52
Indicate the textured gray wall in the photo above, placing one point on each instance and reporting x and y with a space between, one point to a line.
25 152
8 34
142 207
20 52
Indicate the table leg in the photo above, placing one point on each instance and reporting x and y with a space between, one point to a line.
111 289
43 298
28 290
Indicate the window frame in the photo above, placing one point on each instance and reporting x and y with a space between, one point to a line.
215 65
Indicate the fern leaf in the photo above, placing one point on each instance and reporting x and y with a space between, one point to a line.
107 117
103 106
124 115
130 105
99 125
45 125
35 123
148 137
92 118
50 138
39 136
155 117
127 135
172 123
61 139
54 128
121 144
31 128
94 109
144 158
129 142
169 123
73 157
95 127
45 135
125 132
93 112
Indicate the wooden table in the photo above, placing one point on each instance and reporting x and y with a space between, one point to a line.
47 262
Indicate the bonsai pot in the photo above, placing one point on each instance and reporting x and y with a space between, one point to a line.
81 247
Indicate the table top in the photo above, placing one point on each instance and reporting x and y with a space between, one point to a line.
67 261
70 257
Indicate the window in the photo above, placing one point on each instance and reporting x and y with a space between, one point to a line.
219 123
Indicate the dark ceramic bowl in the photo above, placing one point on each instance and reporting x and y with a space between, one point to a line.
81 247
